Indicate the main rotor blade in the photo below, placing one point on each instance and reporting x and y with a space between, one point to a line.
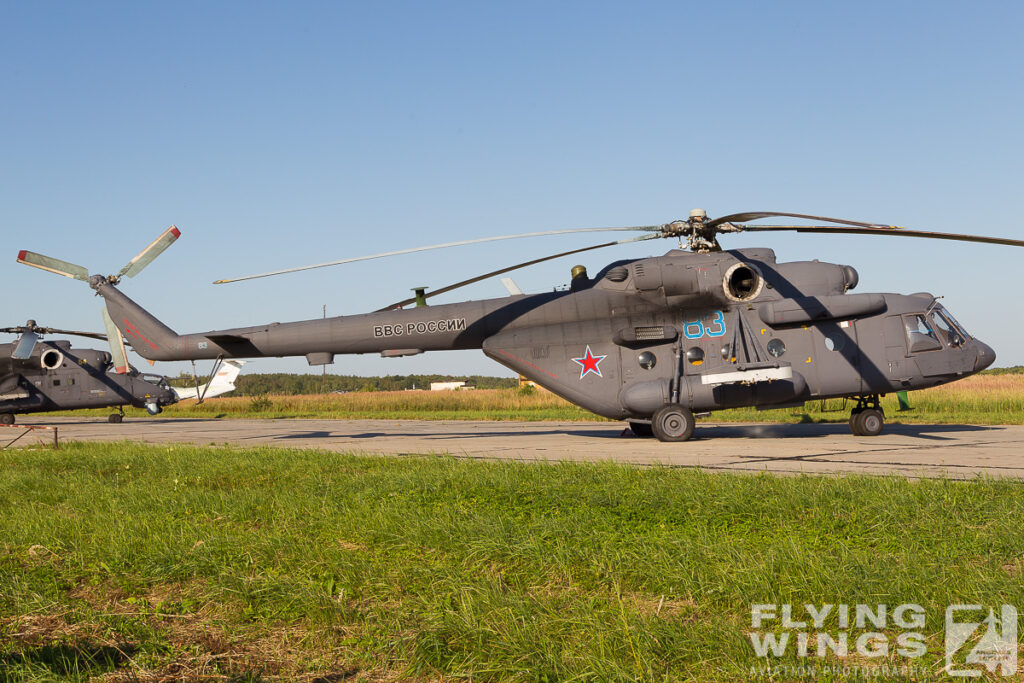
75 333
146 256
25 346
51 330
890 230
502 271
53 265
117 352
756 215
479 240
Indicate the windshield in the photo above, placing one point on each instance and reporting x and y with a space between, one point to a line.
159 380
944 320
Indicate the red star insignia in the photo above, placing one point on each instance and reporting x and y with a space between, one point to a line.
589 363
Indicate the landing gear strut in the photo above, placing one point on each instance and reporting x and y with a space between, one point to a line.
867 419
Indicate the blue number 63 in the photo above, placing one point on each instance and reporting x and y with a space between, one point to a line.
695 329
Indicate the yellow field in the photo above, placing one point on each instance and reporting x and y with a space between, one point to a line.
985 399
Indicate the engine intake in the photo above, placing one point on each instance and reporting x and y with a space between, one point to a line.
709 278
51 359
742 282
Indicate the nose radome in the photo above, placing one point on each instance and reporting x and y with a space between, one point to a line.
986 356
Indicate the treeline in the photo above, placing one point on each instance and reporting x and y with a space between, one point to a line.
1015 370
293 384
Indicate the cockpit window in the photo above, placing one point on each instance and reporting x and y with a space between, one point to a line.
920 336
944 330
953 322
950 334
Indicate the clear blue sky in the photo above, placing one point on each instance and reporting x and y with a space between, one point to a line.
279 134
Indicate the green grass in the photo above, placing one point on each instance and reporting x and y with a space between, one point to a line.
164 563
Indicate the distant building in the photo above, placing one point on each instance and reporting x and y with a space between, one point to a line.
449 386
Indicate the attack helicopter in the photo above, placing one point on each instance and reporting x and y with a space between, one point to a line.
43 376
651 341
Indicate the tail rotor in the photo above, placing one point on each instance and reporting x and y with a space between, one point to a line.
130 269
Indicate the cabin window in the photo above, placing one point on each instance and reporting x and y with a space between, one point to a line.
777 348
920 336
647 360
695 355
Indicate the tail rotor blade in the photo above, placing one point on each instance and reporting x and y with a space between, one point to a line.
147 255
53 265
25 346
116 341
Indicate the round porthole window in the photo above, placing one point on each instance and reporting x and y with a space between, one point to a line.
695 356
834 343
777 348
727 353
647 360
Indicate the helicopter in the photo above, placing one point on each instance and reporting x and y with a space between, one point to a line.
652 341
44 376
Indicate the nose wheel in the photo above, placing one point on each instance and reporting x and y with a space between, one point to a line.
868 418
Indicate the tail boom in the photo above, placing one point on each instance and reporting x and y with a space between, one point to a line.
451 326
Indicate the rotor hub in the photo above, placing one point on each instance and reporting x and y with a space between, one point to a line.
698 231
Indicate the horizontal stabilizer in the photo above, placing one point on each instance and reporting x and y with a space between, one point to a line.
235 344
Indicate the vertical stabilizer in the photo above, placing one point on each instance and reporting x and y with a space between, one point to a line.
148 337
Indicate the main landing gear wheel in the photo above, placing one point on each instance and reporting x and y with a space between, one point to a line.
869 422
672 422
116 418
7 419
641 429
867 419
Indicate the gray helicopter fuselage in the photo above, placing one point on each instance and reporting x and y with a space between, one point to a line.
57 376
704 330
